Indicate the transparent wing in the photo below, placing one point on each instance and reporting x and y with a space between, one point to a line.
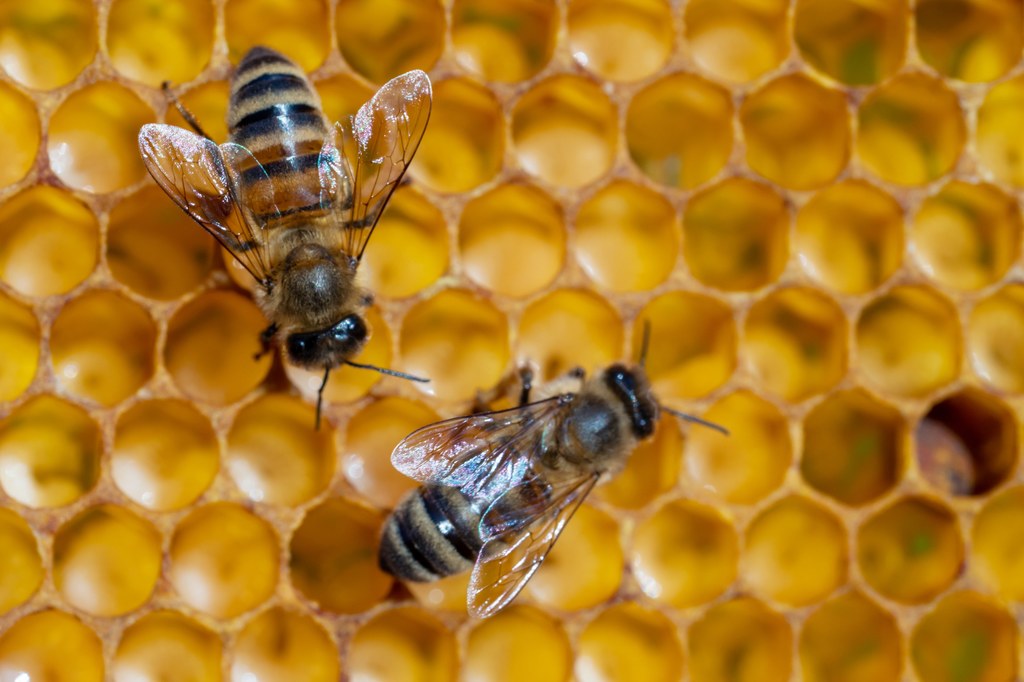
200 177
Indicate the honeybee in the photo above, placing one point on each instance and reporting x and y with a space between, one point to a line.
294 199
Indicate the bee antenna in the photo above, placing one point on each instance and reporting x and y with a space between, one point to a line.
645 342
389 372
320 397
697 420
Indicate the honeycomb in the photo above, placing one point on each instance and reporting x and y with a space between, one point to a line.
814 202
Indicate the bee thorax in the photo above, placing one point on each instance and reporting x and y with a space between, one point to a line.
592 434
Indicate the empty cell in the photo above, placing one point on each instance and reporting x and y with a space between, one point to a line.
504 40
151 41
51 645
996 539
737 40
496 648
621 40
627 640
851 639
19 337
409 249
284 644
403 644
299 30
45 45
20 135
208 103
20 562
741 640
651 470
969 40
381 39
997 144
166 645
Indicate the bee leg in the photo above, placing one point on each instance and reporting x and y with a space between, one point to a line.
185 113
526 379
266 341
320 397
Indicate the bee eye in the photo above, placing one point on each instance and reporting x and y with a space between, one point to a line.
350 328
302 347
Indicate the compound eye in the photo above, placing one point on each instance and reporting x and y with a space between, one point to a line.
350 328
301 347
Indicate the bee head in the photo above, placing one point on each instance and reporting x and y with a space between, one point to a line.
328 347
630 385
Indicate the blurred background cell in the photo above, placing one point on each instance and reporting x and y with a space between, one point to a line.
495 648
741 640
994 333
151 41
166 645
996 540
621 40
969 40
45 45
19 337
403 644
737 40
409 249
503 41
651 470
378 39
20 561
20 136
51 645
300 31
283 644
208 102
999 148
850 638
627 638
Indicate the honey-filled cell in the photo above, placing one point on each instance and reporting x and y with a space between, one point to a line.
284 644
298 30
45 45
627 641
998 146
381 39
996 539
341 96
403 644
621 40
851 639
166 646
737 40
19 337
51 645
651 470
495 648
969 40
741 640
503 40
20 562
49 453
151 42
995 339
446 594
208 102
20 135
409 249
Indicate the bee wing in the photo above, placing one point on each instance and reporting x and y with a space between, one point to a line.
518 530
202 179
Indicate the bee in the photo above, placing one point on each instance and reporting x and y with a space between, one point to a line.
499 487
294 199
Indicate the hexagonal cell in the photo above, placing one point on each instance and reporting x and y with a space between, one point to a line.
621 40
299 30
741 640
996 541
627 638
910 551
211 341
685 554
51 645
446 594
736 40
797 132
332 557
966 636
403 644
853 447
908 342
967 235
849 236
276 455
854 42
995 339
967 443
48 242
969 40
20 136
342 95
165 645
283 644
851 639
659 130
20 563
46 45
151 46
910 130
503 40
753 461
495 648
795 342
997 144
626 237
103 347
106 560
92 138
208 102
409 249
390 48
223 560
569 328
795 552
564 130
455 373
735 235
652 469
49 453
19 337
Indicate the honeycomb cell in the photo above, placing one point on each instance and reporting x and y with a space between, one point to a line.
621 40
911 551
969 40
275 454
165 454
795 552
49 453
409 249
48 242
626 639
910 130
737 40
967 235
795 343
967 443
456 372
223 560
852 447
908 342
502 40
45 45
53 646
850 639
506 228
626 237
735 235
997 144
341 96
685 554
165 646
370 436
92 138
106 560
752 461
995 339
333 557
211 341
849 236
208 102
19 337
569 328
299 30
741 640
381 40
20 563
564 130
652 468
403 644
151 42
446 594
283 644
20 136
103 347
965 637
997 537
495 648
659 130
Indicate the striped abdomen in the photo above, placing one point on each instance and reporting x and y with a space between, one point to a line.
432 533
